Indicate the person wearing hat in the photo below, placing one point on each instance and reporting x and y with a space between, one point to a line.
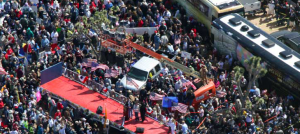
157 41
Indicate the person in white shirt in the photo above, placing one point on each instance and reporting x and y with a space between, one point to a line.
201 111
271 10
51 124
136 109
184 128
54 36
278 108
62 130
222 77
167 14
172 125
165 70
257 91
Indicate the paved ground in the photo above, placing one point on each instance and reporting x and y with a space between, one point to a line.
266 23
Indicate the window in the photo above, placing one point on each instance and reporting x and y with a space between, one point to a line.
201 6
137 74
157 68
151 74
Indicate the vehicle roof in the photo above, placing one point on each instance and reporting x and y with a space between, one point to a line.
269 54
146 64
220 2
223 4
244 2
288 35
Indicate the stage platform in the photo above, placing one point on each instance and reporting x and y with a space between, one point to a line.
80 95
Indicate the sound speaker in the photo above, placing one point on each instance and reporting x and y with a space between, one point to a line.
99 110
139 130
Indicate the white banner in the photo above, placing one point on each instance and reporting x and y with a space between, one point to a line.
185 55
141 30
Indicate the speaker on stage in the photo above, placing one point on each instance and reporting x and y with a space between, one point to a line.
99 110
139 130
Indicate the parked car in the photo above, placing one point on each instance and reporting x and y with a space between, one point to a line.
291 39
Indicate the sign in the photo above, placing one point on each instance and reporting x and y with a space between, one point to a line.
169 102
141 30
186 55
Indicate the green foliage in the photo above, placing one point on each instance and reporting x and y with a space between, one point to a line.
94 22
255 67
239 72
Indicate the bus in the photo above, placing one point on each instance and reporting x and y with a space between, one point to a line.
205 11
236 36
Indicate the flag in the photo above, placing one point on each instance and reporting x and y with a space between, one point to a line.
114 73
220 94
105 117
189 83
131 82
94 66
89 61
155 96
2 89
38 96
2 71
182 108
105 89
149 110
83 79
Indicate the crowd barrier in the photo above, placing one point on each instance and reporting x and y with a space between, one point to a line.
75 106
93 85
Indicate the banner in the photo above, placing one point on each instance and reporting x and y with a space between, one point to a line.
185 54
141 30
169 101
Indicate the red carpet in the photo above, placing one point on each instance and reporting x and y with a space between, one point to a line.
86 98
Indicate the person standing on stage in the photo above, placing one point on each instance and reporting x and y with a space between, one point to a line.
143 111
136 108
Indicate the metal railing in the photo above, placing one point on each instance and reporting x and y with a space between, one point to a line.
74 106
95 86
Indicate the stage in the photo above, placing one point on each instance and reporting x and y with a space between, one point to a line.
80 95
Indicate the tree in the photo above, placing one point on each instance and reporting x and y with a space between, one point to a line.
239 72
255 71
85 24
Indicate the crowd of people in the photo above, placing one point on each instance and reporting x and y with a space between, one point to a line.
24 109
285 12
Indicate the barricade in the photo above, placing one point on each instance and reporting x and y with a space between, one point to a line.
93 85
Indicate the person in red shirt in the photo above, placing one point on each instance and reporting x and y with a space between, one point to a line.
18 13
11 39
92 7
1 103
60 106
57 114
140 23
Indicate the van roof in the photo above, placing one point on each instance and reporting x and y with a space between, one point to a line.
146 63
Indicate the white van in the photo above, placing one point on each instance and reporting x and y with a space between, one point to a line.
143 69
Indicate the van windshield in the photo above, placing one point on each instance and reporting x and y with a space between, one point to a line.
137 74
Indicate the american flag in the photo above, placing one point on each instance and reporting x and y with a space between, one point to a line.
89 62
221 94
155 96
182 108
2 71
112 73
189 83
131 82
